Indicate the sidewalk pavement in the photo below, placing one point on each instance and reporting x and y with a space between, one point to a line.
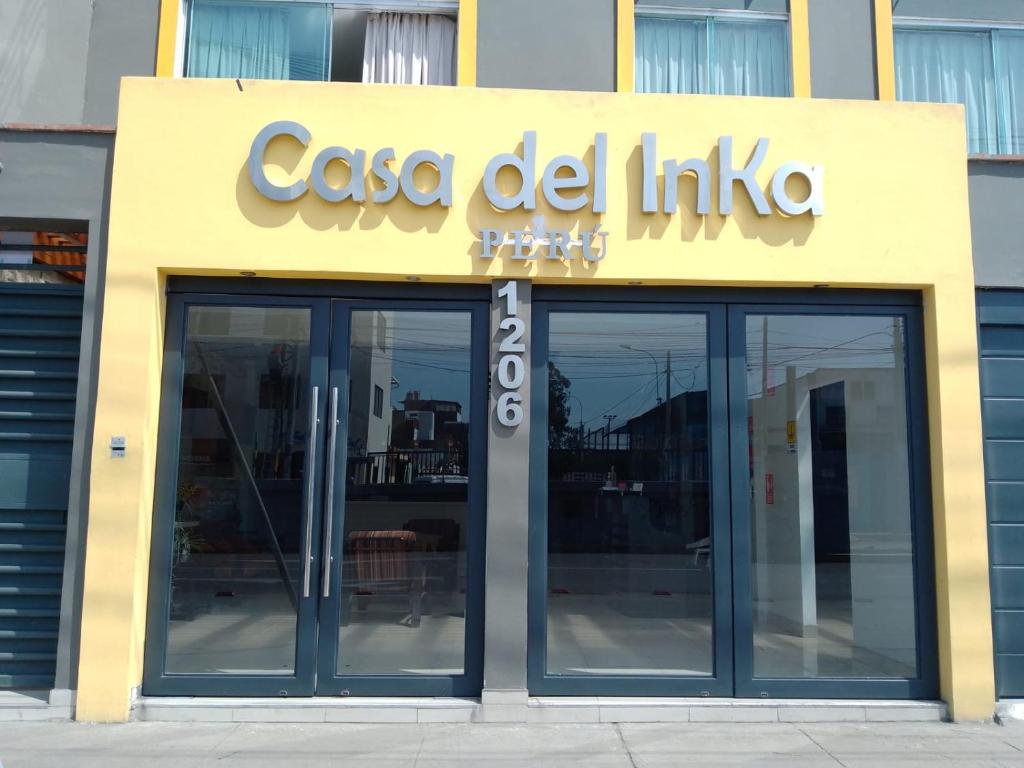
646 745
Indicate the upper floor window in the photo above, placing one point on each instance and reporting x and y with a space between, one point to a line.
288 40
739 54
983 69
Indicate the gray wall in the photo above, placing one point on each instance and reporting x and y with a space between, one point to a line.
987 10
764 6
546 44
62 181
61 60
122 42
842 49
997 226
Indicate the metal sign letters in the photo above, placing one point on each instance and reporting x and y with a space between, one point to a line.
566 184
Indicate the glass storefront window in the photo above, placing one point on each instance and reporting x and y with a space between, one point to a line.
629 575
833 560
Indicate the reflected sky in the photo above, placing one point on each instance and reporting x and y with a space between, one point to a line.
621 364
812 342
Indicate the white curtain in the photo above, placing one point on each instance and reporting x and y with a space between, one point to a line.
951 67
409 48
748 58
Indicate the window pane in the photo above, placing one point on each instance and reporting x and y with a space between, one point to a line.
951 68
750 58
670 56
265 41
236 568
403 605
832 546
1009 50
629 577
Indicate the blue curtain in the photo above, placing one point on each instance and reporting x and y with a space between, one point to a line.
750 58
951 67
1009 63
745 58
258 41
670 56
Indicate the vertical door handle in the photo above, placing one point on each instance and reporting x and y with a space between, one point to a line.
332 445
314 419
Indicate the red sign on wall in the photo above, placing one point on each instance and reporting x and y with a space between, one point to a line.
769 488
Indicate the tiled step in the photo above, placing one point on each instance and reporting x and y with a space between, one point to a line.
539 709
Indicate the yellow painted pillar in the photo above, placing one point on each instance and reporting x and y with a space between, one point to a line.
466 72
121 495
966 666
885 59
167 37
625 44
800 46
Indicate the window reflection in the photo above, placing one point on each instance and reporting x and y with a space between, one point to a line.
406 495
833 579
629 537
238 518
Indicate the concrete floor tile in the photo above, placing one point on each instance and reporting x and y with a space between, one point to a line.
446 715
562 714
734 714
667 744
1012 732
303 740
649 714
498 744
474 745
922 740
720 760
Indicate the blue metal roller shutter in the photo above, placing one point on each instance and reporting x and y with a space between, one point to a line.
40 329
1001 338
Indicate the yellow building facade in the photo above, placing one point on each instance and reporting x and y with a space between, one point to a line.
890 179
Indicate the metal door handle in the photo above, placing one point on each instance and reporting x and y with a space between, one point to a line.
314 419
332 444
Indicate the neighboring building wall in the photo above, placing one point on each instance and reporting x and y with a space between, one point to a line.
122 41
997 228
61 60
546 44
60 65
60 180
842 49
988 10
43 51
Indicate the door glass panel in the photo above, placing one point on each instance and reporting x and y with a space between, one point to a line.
832 572
403 601
629 579
238 523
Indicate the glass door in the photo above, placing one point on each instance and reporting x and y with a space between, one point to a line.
630 577
831 536
318 523
233 591
401 597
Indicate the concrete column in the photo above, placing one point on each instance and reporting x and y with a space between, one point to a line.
508 517
842 36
